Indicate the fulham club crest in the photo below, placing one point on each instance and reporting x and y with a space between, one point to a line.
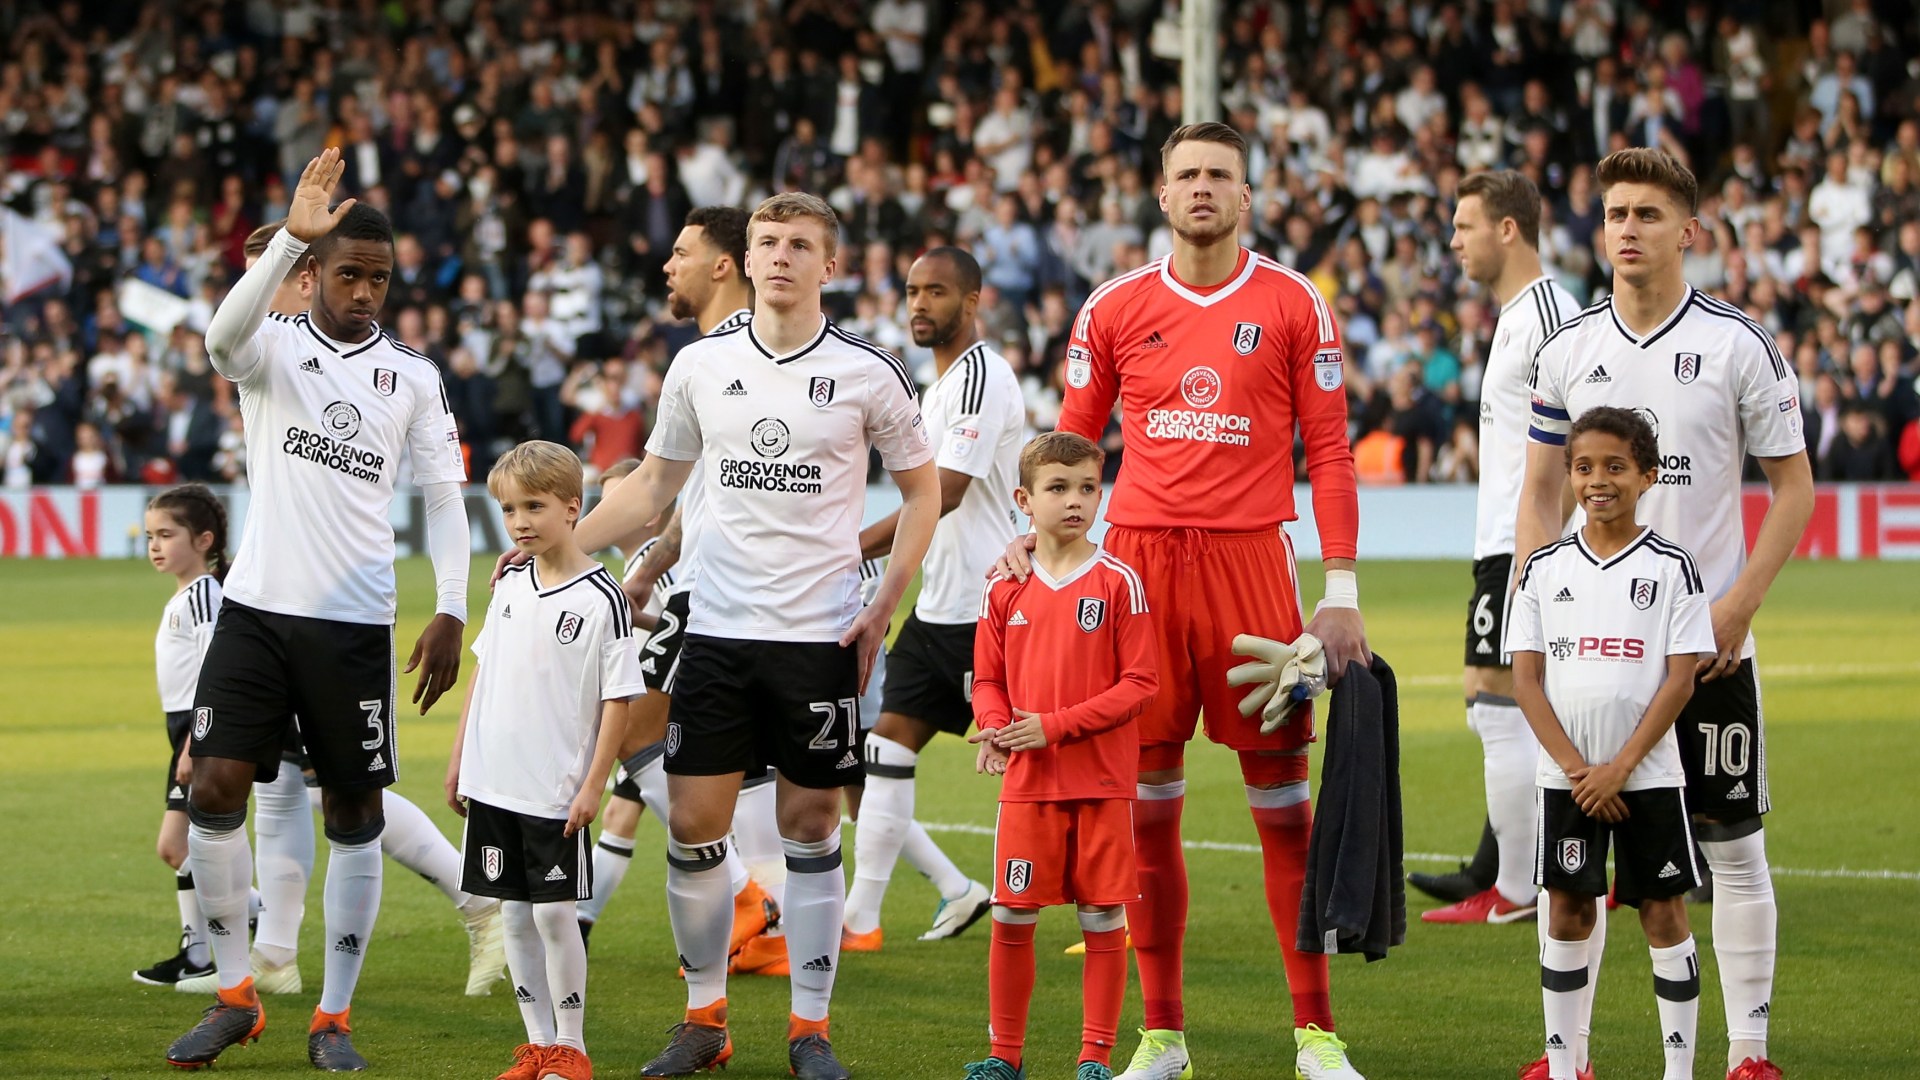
202 722
383 381
1686 367
490 862
1019 875
1643 592
1093 612
1246 337
820 392
1573 855
568 627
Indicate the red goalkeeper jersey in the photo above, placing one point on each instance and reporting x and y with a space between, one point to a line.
1079 652
1212 384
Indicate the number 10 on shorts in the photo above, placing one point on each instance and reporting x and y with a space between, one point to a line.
845 711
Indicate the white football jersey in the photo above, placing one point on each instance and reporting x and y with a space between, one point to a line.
186 629
328 423
1606 628
977 418
550 655
1525 322
784 440
1713 385
693 495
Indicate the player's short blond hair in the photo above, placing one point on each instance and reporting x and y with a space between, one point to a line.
1056 448
538 466
794 205
1649 165
618 469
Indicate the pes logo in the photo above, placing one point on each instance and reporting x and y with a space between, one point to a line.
1612 648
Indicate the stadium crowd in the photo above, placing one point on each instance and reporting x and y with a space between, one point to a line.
538 158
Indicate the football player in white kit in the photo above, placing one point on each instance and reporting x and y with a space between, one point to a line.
1715 388
332 406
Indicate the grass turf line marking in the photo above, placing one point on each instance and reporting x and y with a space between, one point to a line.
1431 856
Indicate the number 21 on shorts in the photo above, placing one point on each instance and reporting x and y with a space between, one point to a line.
845 711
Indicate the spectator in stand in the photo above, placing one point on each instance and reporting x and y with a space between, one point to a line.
609 427
1861 452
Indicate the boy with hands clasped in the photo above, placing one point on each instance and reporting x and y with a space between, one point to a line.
1063 663
540 732
1607 626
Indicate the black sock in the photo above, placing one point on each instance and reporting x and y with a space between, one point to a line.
1485 867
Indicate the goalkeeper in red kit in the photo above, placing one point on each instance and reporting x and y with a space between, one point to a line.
1217 356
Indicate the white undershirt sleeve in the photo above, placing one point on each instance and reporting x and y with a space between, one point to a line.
231 344
449 545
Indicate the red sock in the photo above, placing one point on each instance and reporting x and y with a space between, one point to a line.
1103 986
1010 989
1283 859
1159 918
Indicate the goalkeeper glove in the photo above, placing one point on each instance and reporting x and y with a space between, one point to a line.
1284 674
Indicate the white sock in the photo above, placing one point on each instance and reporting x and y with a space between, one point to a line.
1744 924
193 925
415 842
283 832
756 834
816 905
1676 989
652 781
1563 975
352 902
222 868
527 965
701 909
737 876
1510 751
559 926
1596 952
611 857
886 815
925 856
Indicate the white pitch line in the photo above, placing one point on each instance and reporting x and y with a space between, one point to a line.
1430 856
1768 672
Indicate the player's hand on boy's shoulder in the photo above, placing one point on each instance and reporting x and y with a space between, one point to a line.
512 557
1017 561
437 655
1026 732
309 217
992 761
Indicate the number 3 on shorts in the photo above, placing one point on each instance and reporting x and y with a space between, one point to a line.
846 710
374 724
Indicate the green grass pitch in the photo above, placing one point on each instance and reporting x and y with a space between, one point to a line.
86 901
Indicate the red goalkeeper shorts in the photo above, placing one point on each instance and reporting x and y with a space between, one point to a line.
1204 587
1078 851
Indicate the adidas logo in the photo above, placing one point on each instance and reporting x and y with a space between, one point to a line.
1485 648
1154 341
556 874
686 967
1555 1042
1759 1013
174 792
818 963
1599 375
1565 594
848 762
1738 790
1675 1042
378 763
311 365
734 390
1018 619
507 612
349 944
571 1001
214 926
1669 870
523 995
